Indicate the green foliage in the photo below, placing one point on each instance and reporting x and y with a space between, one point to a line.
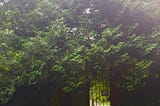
6 94
70 43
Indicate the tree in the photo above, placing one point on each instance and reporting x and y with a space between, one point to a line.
72 43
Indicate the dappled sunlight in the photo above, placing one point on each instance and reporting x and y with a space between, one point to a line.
149 7
79 52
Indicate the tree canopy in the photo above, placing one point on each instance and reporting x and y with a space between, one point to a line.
75 41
